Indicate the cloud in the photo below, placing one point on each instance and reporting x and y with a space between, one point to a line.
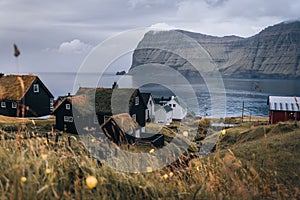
162 26
74 46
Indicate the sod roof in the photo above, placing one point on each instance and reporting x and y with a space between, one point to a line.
109 101
14 87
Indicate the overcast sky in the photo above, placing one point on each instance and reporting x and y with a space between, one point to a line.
56 36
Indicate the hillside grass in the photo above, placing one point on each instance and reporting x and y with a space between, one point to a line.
250 162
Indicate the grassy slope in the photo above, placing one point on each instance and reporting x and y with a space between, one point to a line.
250 162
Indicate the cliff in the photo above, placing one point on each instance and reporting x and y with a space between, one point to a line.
272 53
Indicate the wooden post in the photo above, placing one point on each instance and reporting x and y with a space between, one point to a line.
69 140
56 138
243 111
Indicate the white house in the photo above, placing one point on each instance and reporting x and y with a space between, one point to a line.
150 110
163 114
179 108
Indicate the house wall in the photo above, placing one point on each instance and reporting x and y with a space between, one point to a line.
9 111
150 113
178 112
60 123
37 102
161 116
281 116
139 110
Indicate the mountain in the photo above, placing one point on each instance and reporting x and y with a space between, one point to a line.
272 53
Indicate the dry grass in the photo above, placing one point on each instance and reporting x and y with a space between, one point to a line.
250 163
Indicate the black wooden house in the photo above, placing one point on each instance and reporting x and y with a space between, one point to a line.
24 96
91 107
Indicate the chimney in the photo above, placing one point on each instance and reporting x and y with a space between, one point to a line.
69 94
115 85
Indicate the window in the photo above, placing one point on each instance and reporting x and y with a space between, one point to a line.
68 119
68 106
287 106
3 104
134 117
275 106
280 105
14 104
174 105
292 105
137 101
36 88
51 104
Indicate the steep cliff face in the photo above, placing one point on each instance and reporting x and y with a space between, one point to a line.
274 52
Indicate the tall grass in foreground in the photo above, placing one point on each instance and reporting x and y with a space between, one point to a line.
38 169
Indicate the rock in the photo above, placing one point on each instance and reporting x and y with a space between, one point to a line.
272 53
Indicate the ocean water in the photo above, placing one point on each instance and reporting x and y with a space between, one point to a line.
253 93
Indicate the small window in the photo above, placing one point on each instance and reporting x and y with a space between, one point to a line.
3 104
137 101
36 88
275 106
51 104
292 105
280 105
68 119
134 117
287 106
174 105
14 104
68 106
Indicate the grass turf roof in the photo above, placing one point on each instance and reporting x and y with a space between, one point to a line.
110 101
14 87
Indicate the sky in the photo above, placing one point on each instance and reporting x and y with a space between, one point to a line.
56 36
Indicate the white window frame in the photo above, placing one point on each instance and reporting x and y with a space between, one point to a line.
137 101
133 117
51 104
14 104
68 106
36 88
3 104
68 119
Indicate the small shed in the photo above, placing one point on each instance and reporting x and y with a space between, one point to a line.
119 128
282 108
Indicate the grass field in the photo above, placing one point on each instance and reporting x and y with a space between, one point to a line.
250 162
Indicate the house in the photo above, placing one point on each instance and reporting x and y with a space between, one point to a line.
91 107
179 108
66 115
122 129
149 102
163 114
283 108
109 101
24 96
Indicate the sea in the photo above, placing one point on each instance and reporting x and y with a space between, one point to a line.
249 96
